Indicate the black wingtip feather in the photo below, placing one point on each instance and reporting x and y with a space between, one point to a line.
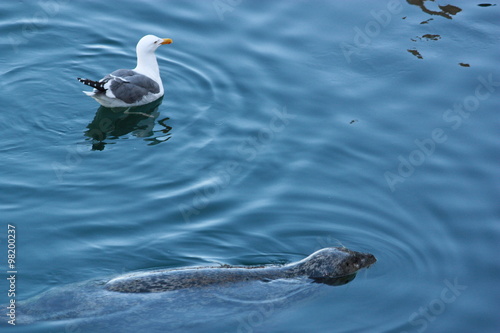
94 84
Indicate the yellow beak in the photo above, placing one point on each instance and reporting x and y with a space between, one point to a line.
166 41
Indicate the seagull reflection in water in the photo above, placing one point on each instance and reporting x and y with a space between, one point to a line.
112 123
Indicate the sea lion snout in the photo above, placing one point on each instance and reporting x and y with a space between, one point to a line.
354 261
367 260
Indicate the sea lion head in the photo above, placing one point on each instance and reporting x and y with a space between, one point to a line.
333 263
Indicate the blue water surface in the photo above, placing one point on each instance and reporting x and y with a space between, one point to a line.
286 127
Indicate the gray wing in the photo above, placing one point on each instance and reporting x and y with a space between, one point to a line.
130 86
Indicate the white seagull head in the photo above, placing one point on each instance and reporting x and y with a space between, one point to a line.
149 43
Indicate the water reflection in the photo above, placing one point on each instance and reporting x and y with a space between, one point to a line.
110 124
336 281
446 11
90 301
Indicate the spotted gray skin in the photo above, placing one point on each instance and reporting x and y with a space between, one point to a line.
329 265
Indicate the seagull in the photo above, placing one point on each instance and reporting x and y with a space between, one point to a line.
131 87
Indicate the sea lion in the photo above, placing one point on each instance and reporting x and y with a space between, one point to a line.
333 265
212 296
